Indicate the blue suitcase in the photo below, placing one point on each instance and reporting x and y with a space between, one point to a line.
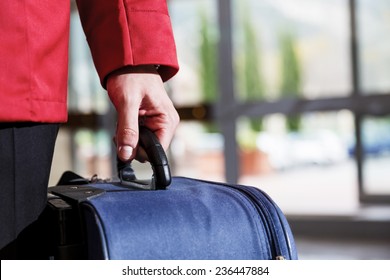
164 218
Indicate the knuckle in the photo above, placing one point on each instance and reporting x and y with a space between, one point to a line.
128 136
129 132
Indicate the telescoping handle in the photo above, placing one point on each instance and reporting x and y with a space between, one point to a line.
161 178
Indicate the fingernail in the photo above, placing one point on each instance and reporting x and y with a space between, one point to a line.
125 152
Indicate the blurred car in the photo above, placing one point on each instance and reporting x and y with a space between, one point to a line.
375 140
296 149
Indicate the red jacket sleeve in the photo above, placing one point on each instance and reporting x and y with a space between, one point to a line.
129 32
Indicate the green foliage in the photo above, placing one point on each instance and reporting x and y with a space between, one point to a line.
253 79
252 82
208 74
208 60
290 75
293 123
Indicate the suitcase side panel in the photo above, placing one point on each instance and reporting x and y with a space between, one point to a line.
281 238
96 246
283 241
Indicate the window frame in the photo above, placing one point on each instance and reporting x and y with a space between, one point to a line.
360 103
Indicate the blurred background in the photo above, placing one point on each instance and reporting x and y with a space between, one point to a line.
290 96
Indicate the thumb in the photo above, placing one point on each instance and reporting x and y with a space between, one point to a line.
127 132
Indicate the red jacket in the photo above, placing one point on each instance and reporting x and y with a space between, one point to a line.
34 39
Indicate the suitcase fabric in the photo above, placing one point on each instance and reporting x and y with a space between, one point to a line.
191 219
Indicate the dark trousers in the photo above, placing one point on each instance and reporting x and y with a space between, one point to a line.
26 152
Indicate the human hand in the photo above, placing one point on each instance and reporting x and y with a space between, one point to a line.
138 93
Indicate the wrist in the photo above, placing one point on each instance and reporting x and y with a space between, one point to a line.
134 69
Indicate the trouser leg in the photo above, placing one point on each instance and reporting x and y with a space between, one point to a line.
26 152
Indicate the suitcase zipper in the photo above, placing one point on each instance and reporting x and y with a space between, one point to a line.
258 201
262 215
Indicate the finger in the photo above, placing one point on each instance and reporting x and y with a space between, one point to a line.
127 132
164 125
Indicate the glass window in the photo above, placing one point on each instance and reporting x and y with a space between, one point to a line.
83 150
291 48
63 156
281 49
374 45
307 171
196 34
86 95
376 147
197 151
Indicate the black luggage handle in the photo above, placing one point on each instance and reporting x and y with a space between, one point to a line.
161 178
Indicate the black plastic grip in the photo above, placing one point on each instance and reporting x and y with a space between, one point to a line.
156 156
158 160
